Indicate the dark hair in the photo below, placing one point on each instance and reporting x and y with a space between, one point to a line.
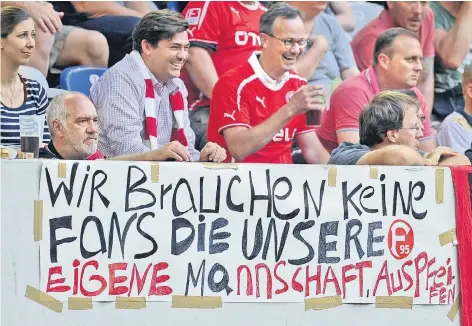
385 112
276 10
385 41
10 17
158 25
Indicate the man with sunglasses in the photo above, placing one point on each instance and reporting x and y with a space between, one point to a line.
259 107
390 129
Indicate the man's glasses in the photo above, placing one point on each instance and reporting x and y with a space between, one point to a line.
290 42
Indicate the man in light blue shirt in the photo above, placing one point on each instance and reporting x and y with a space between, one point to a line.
456 129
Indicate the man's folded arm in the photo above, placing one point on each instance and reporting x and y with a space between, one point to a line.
392 155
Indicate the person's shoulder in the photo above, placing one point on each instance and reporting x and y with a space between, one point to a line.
348 153
325 19
237 75
347 146
124 71
356 84
33 87
32 83
428 21
455 118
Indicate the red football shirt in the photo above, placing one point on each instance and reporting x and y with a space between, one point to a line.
246 96
229 28
347 102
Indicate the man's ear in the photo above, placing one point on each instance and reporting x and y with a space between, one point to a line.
383 61
392 136
146 47
264 40
57 129
468 89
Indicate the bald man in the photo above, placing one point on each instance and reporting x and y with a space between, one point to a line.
72 120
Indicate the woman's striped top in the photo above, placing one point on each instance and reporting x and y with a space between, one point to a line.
36 102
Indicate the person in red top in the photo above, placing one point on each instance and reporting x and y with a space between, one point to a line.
396 66
258 108
416 16
222 35
72 120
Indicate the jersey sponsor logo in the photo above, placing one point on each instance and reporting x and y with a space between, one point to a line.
261 100
289 95
231 116
193 16
243 38
284 135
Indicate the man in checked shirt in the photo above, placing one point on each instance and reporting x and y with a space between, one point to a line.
126 103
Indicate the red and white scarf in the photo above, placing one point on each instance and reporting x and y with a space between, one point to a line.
176 102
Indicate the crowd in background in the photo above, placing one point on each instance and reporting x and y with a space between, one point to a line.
400 84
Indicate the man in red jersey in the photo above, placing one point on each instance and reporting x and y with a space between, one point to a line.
222 35
258 108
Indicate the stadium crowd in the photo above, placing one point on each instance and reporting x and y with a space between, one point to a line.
270 82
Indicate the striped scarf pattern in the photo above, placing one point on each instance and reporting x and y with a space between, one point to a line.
176 102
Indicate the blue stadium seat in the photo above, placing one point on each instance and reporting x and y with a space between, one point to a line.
173 5
80 78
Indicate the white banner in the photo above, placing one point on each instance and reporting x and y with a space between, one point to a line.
258 233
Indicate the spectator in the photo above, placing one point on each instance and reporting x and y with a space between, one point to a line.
468 153
390 127
73 121
456 129
396 65
343 12
19 95
338 62
257 108
219 41
414 16
453 46
114 20
58 45
141 99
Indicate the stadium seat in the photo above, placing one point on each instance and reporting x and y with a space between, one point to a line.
35 74
173 5
364 13
80 78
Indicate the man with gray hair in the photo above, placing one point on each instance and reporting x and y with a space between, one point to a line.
390 129
258 107
73 123
141 102
72 120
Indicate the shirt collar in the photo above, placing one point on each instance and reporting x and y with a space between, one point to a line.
372 79
50 147
268 82
252 7
467 116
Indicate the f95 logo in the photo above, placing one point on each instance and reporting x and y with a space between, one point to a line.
401 239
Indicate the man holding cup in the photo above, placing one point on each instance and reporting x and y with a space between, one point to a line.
259 107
